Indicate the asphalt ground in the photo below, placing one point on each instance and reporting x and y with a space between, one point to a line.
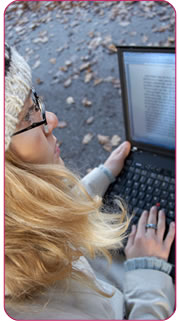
70 46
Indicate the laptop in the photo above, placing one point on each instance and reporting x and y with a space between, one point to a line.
147 76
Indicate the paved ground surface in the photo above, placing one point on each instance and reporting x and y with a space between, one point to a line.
70 47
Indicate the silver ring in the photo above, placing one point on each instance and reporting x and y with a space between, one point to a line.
150 225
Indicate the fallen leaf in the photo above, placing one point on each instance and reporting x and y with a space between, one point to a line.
39 81
90 120
62 124
86 102
107 147
112 48
98 81
67 83
171 39
52 61
144 38
70 100
84 66
43 40
115 140
91 34
124 23
87 138
94 44
68 63
63 69
36 65
103 139
88 77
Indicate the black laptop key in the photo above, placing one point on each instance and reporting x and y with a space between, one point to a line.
141 195
157 183
150 189
157 192
173 181
167 179
153 175
133 202
164 194
136 185
164 185
127 191
148 198
143 187
171 214
129 175
163 203
134 193
143 179
150 181
129 183
171 205
136 177
144 172
172 188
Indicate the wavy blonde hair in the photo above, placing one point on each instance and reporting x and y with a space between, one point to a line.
50 222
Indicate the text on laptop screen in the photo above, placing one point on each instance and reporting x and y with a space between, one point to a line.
150 79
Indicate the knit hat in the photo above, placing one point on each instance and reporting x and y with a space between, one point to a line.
18 82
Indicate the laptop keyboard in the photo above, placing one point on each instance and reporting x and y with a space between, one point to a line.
143 186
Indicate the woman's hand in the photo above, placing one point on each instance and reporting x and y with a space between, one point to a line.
115 161
150 242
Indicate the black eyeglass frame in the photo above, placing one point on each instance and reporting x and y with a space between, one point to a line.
41 106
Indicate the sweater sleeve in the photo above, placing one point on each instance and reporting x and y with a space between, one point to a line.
149 295
96 182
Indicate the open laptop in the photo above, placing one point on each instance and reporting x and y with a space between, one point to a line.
147 76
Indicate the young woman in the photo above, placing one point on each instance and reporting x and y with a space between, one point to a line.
54 222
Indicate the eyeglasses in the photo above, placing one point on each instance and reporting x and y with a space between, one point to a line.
41 107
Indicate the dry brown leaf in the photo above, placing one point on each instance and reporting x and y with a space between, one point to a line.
67 83
36 65
88 77
39 81
171 39
115 140
52 61
103 139
86 102
107 147
62 124
144 38
98 81
91 34
90 120
87 138
112 48
43 40
94 44
124 23
63 69
84 66
68 63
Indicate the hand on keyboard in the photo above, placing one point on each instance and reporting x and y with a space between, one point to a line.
150 241
115 161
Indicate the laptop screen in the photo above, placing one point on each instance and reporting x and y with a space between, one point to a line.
150 93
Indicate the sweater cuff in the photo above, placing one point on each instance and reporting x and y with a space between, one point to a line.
108 173
148 262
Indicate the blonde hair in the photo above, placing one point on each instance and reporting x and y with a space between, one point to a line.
50 221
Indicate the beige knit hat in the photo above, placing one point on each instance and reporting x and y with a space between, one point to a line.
18 82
